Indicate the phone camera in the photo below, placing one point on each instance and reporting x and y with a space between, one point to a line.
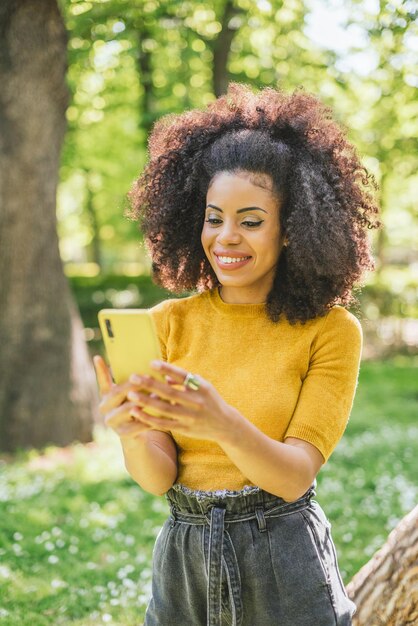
109 328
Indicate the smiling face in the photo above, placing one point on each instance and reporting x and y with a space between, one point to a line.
241 235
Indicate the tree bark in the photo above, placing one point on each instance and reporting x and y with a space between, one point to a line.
147 111
95 251
47 386
385 590
221 47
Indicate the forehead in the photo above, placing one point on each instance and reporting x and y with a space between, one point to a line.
242 183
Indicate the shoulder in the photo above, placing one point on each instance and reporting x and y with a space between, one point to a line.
179 306
343 320
175 313
340 331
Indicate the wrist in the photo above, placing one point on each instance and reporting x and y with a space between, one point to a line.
133 443
232 434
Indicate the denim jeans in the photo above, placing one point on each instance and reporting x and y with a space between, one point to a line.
246 559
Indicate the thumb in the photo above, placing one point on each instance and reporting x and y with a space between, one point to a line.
104 378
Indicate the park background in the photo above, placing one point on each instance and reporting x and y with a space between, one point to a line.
76 533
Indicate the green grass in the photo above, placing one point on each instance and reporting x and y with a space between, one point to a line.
370 483
76 533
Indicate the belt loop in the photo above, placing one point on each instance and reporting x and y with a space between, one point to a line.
173 514
312 491
261 520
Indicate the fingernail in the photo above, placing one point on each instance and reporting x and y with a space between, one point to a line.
156 365
135 379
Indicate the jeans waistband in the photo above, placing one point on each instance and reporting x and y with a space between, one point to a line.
182 499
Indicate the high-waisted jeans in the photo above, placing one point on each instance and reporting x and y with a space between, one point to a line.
246 559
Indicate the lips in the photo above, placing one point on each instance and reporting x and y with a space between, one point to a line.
231 261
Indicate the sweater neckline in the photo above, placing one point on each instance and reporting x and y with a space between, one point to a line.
233 309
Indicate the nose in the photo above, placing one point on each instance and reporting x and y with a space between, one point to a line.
229 233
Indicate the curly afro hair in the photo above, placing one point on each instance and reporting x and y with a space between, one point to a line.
327 195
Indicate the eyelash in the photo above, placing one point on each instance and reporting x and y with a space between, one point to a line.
216 221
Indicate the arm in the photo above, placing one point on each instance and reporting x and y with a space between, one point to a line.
150 455
284 469
151 460
318 422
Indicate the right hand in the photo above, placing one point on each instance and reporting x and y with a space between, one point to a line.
114 406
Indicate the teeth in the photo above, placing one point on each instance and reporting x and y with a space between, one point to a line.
228 259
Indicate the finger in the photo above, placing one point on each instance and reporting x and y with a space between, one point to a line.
104 379
116 396
162 407
160 423
176 373
165 391
120 415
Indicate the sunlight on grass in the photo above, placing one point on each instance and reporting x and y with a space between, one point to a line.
76 537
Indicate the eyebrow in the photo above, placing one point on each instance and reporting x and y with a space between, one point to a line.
248 208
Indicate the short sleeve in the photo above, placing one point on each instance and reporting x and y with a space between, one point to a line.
160 314
327 394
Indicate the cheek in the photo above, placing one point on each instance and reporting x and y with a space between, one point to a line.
206 235
205 239
273 245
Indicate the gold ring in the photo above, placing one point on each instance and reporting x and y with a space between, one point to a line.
191 382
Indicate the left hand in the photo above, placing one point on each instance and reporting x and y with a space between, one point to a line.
200 414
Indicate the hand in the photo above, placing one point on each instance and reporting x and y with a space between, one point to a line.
116 410
201 414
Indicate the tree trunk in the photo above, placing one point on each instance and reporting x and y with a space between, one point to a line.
385 590
381 236
146 105
221 47
94 249
47 386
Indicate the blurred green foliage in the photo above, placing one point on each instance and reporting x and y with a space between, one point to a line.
93 293
113 291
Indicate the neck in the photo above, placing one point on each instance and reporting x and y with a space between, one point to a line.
240 296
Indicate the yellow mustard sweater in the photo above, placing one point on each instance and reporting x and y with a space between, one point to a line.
290 381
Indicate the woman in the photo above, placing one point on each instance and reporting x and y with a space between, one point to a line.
259 204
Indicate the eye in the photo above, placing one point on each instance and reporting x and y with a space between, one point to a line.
252 224
213 220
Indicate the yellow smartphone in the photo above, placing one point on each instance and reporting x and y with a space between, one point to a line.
131 343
